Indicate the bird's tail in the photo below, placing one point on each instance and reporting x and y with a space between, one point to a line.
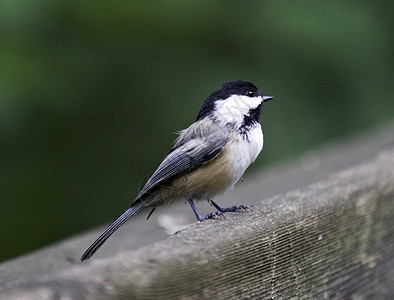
134 208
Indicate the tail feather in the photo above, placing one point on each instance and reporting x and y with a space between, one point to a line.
136 207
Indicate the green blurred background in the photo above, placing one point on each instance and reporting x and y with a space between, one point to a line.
91 92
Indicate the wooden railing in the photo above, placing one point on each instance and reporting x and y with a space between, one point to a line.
333 239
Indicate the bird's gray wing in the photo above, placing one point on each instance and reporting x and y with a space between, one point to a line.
186 157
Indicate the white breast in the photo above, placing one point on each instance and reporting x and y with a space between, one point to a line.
243 150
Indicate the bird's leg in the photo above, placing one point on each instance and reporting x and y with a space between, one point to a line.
228 209
194 208
198 216
151 212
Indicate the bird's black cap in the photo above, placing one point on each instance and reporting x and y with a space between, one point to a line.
234 87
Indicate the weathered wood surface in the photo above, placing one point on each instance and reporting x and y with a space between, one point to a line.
331 240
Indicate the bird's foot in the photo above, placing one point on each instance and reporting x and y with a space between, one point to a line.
213 215
229 209
219 213
235 208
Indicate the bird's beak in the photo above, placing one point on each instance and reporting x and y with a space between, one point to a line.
267 98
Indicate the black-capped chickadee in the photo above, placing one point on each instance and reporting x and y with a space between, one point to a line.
208 157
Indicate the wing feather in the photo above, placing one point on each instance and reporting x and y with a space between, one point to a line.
187 156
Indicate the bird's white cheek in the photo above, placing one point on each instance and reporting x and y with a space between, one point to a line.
234 108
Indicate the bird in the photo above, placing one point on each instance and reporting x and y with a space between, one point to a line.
207 158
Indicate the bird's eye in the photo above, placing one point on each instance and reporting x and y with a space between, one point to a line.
250 93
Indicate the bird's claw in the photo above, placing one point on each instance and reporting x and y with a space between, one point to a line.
236 208
214 215
220 213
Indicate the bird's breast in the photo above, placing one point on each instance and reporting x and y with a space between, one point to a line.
242 150
220 174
